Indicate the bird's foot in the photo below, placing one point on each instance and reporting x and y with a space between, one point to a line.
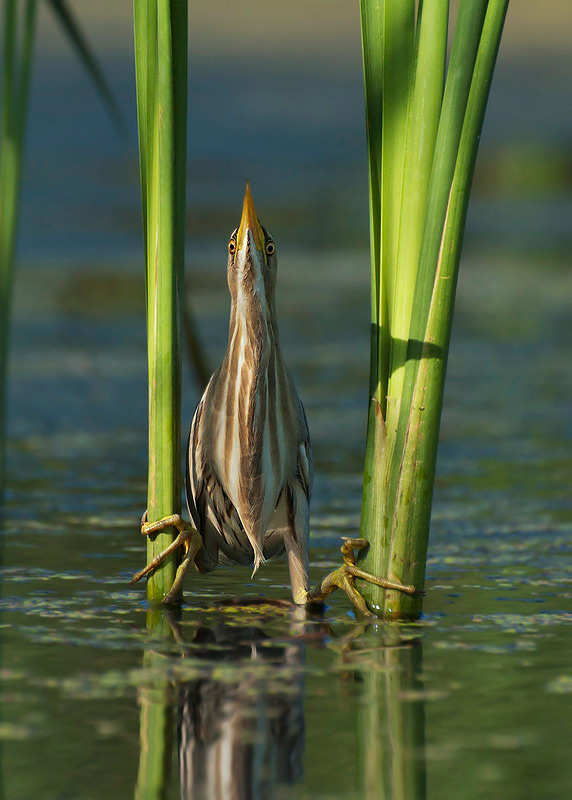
188 538
345 577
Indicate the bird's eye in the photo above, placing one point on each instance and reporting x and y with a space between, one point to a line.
232 246
270 248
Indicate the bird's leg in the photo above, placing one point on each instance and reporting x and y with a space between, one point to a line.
345 576
188 538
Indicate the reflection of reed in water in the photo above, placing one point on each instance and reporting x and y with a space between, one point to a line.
392 717
241 727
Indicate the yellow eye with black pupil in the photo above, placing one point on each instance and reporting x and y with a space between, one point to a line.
231 246
270 248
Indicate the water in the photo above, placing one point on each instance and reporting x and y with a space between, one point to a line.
471 702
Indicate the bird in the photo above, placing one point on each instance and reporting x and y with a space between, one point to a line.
249 458
230 748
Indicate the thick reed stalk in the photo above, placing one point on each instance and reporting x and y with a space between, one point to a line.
161 72
17 64
417 55
441 144
423 395
451 109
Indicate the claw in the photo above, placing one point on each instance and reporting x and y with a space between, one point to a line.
344 578
188 538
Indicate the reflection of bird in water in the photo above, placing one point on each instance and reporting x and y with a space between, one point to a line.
241 728
249 461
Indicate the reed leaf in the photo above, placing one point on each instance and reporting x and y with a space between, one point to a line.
398 41
459 75
422 123
77 38
372 50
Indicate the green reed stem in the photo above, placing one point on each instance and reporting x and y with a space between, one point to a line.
372 50
440 149
161 73
371 28
388 37
17 65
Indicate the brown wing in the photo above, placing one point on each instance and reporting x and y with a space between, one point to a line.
304 466
211 510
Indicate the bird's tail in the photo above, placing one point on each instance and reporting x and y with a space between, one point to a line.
258 554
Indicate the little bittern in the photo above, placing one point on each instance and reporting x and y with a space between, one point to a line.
249 461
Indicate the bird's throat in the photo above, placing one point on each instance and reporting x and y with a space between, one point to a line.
253 330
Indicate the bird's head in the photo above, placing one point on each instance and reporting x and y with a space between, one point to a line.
251 261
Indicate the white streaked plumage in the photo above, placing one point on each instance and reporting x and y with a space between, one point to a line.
249 458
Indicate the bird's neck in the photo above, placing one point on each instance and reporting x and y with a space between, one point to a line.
253 332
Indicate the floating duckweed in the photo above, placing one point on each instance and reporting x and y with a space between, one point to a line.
560 685
15 732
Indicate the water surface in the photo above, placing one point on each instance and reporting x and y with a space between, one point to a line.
473 701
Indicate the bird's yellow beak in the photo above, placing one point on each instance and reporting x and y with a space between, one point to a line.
249 222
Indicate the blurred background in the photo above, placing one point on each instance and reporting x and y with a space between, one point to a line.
275 97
